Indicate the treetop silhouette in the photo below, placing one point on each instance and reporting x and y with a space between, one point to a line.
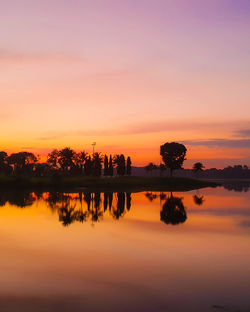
173 154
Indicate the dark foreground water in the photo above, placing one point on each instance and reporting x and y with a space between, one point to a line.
125 252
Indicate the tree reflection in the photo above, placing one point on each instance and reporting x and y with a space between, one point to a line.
87 199
110 201
151 196
173 211
105 203
17 198
92 207
128 201
81 216
119 210
96 212
54 199
198 200
67 213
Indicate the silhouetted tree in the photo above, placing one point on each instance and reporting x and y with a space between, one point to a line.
88 166
162 168
52 159
5 168
198 167
97 164
150 167
41 169
79 160
111 169
173 211
173 154
155 167
128 167
3 158
65 159
106 166
22 162
119 161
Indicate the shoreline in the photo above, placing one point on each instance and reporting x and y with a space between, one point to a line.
133 184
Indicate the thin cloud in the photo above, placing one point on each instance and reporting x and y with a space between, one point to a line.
241 143
167 126
245 224
243 133
140 128
15 57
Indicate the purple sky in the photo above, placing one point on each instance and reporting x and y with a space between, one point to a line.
73 72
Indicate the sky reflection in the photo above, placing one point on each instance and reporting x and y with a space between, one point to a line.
131 263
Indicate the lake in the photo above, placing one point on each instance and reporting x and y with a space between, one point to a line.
147 251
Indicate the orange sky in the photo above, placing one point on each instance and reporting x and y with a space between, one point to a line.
128 75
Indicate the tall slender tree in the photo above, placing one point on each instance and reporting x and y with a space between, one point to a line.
111 168
5 168
120 165
88 166
52 160
97 164
128 167
106 166
79 160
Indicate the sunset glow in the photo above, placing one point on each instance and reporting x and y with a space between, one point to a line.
129 75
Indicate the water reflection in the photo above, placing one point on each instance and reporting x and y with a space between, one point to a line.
17 198
93 207
198 200
173 211
85 206
237 186
49 249
74 207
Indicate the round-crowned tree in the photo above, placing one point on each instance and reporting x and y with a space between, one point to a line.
173 154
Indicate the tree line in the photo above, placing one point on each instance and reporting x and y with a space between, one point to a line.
66 162
173 156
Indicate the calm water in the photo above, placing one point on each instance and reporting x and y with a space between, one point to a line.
125 252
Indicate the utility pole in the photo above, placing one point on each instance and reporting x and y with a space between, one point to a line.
93 144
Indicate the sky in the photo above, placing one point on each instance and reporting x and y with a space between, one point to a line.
128 75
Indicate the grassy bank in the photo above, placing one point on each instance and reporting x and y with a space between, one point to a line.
102 184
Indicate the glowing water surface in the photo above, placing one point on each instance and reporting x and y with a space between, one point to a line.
125 252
